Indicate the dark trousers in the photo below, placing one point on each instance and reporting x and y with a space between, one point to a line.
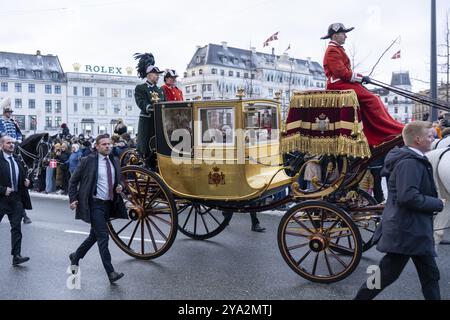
99 233
254 218
392 265
15 220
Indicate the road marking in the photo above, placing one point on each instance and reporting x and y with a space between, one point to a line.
124 238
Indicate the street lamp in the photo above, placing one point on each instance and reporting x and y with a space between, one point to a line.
433 76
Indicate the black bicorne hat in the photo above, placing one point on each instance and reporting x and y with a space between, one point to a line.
146 60
336 28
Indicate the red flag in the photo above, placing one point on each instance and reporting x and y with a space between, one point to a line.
397 55
272 38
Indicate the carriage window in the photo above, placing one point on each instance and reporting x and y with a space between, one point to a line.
178 121
217 126
261 124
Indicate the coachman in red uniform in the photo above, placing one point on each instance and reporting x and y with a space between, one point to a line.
171 91
379 126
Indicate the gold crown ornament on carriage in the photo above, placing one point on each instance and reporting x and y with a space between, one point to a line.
326 123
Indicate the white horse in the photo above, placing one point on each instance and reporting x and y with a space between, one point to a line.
441 144
440 160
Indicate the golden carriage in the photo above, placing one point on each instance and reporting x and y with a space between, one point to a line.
220 157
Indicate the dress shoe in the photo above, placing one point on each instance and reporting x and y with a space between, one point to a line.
74 261
27 220
18 259
258 228
114 276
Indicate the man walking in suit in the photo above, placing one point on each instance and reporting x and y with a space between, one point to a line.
94 191
14 196
406 231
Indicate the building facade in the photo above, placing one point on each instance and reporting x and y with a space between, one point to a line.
218 71
422 111
37 87
96 101
400 108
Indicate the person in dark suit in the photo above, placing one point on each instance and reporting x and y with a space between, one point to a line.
406 230
143 96
94 191
14 196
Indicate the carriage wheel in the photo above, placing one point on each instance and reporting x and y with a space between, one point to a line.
152 225
366 222
131 157
307 239
200 222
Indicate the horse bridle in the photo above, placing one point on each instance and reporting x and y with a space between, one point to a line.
38 157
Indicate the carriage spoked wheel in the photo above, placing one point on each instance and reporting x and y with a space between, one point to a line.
131 157
308 238
367 222
200 222
152 225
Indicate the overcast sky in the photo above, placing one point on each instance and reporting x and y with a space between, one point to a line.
108 33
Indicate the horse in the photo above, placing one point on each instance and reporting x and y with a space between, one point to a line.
32 152
441 144
440 160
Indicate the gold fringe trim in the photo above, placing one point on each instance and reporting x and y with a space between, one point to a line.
339 146
324 99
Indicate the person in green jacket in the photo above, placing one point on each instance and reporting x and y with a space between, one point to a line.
143 94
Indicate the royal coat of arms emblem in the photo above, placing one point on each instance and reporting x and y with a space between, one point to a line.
216 177
323 122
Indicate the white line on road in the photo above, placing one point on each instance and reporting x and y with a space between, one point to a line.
124 238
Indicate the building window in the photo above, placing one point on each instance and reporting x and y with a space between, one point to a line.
406 109
75 91
31 104
246 75
193 73
238 74
101 107
115 93
32 121
270 92
386 100
204 88
87 106
18 103
214 71
194 88
224 60
87 92
200 72
222 72
18 87
188 89
58 121
129 93
75 107
48 106
57 89
253 76
101 92
48 89
21 73
116 108
230 73
57 106
31 88
37 74
55 75
199 59
4 87
48 122
4 72
396 110
209 87
129 107
20 121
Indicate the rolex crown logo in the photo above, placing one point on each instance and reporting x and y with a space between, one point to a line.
129 71
76 67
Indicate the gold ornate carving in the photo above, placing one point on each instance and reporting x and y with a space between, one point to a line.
216 177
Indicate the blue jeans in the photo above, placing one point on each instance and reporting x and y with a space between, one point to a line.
50 180
99 233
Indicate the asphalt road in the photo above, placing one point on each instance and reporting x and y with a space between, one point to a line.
237 264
